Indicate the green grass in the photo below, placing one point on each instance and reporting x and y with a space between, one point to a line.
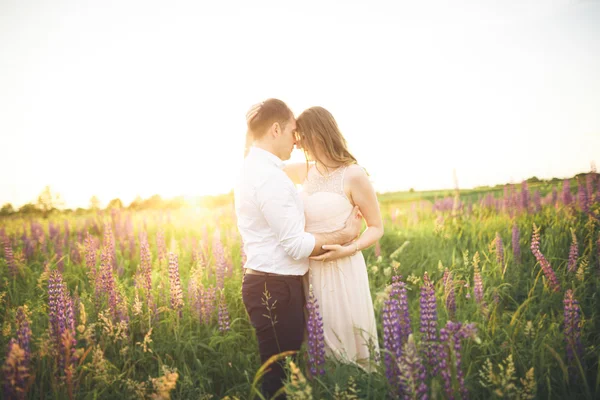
524 319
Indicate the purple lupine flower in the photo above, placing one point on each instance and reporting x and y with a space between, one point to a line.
412 373
61 318
175 283
554 195
10 257
15 372
499 249
56 306
53 231
573 253
146 269
105 280
516 246
223 315
195 299
572 331
316 340
29 248
208 304
566 193
524 196
161 245
449 293
445 363
396 326
545 265
429 334
24 333
582 197
219 258
451 336
478 286
391 341
90 256
75 254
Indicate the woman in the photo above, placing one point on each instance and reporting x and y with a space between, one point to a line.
333 183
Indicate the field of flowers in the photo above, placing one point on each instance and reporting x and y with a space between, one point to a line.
494 296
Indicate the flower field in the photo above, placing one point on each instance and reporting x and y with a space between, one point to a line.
477 294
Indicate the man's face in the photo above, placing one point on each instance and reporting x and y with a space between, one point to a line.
288 139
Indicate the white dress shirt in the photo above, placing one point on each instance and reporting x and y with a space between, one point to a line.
270 217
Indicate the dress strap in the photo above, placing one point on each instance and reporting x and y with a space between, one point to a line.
342 181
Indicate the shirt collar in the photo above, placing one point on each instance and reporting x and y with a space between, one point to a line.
267 156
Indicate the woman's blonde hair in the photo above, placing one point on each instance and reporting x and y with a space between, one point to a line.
319 131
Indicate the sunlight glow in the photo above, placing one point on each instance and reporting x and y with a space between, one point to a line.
126 99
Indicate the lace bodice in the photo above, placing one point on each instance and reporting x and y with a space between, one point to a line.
332 183
326 206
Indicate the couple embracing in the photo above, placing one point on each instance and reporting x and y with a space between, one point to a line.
308 240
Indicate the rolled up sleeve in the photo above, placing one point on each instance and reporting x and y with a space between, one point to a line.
278 203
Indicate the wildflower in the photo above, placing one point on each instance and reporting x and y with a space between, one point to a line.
221 262
499 249
146 269
428 329
412 372
582 197
15 372
62 323
391 339
450 337
9 256
566 193
223 316
477 281
572 331
516 247
524 196
161 245
546 267
316 340
175 283
573 253
298 388
449 294
24 332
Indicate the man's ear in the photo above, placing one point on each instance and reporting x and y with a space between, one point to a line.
276 129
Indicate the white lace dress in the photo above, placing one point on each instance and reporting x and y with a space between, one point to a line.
341 287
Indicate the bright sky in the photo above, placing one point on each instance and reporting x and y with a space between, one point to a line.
125 98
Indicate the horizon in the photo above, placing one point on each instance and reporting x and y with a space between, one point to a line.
127 99
190 199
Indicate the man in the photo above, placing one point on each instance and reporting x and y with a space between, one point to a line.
270 218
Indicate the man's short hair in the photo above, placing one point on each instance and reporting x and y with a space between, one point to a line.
271 111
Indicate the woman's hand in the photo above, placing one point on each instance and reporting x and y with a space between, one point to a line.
335 251
252 112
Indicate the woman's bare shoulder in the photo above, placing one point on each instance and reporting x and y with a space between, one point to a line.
297 171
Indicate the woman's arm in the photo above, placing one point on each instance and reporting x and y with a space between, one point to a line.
296 172
363 195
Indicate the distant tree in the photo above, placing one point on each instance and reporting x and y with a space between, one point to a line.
533 179
28 208
153 202
411 190
94 203
48 201
136 203
7 209
115 203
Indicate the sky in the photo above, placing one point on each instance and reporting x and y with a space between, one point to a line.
120 99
